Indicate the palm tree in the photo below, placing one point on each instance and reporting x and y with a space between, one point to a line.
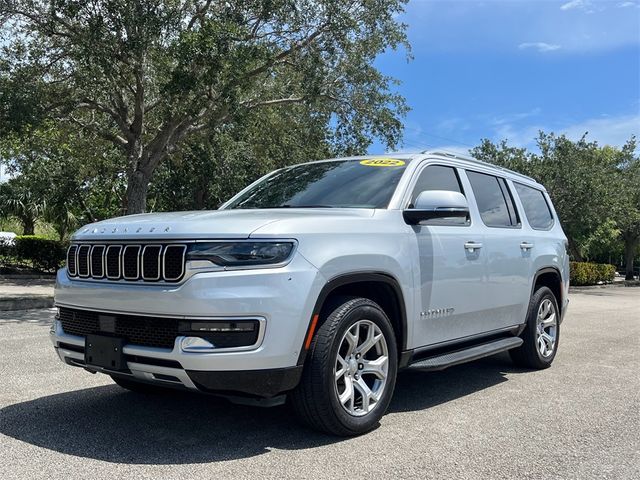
17 200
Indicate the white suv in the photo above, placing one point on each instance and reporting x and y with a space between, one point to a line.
319 282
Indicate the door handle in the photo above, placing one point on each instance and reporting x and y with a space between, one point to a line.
526 246
471 246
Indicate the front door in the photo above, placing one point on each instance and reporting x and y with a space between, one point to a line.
452 267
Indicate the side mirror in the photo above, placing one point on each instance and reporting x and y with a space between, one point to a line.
436 204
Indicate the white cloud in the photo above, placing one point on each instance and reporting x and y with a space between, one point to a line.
574 4
606 130
628 4
514 117
540 46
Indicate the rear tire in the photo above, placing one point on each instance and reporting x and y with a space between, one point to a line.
138 387
541 334
350 372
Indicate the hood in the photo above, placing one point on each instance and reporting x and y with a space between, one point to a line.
213 224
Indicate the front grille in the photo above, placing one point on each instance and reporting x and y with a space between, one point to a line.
157 332
131 262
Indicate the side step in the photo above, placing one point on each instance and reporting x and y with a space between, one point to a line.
442 361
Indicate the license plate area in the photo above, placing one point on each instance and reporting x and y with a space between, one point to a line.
104 351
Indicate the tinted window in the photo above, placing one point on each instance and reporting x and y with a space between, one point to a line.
344 183
535 207
511 205
436 177
491 200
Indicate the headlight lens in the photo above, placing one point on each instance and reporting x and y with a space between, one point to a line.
238 254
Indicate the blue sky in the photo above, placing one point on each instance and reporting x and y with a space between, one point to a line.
506 69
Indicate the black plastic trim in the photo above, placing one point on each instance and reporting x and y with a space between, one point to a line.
555 271
358 277
258 383
411 356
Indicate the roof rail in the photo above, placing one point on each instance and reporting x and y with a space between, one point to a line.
470 159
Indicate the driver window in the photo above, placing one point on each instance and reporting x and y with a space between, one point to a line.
438 177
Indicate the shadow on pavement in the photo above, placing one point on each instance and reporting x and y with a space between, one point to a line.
107 423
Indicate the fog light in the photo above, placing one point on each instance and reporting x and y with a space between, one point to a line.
196 344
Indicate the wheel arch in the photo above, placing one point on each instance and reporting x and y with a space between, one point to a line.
552 278
379 287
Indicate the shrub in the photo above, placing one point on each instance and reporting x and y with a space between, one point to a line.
585 273
43 253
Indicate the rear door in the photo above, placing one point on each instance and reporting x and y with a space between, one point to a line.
507 248
451 272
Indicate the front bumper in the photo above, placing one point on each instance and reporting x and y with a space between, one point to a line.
283 297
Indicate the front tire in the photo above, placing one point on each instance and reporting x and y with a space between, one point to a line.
541 334
351 369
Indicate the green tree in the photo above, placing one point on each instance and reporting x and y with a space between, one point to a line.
18 200
628 210
211 169
64 174
146 75
579 176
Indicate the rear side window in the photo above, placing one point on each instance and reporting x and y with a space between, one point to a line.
494 200
535 206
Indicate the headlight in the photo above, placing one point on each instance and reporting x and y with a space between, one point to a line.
239 254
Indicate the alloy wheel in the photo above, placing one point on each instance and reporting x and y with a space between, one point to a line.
361 368
547 328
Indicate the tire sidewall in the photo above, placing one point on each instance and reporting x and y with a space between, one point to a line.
369 311
539 296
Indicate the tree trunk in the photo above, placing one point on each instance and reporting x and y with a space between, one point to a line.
630 247
574 251
28 226
137 188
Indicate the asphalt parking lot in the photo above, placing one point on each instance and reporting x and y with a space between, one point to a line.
579 419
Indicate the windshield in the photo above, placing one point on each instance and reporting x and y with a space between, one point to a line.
345 183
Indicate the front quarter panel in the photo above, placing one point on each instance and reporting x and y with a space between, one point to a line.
379 243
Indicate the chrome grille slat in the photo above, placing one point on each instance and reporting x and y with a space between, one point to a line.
151 262
173 268
71 260
131 262
82 261
110 262
97 261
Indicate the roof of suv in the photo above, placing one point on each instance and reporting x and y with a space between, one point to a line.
439 153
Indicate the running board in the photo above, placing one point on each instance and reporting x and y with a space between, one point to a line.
442 361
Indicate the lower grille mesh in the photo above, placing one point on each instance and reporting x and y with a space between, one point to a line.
138 330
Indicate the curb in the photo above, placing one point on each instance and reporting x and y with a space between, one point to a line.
25 303
630 283
27 277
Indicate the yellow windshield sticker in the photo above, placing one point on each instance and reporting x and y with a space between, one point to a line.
382 162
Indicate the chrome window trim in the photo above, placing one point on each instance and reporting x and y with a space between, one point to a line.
164 263
102 259
160 260
122 260
88 256
119 247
